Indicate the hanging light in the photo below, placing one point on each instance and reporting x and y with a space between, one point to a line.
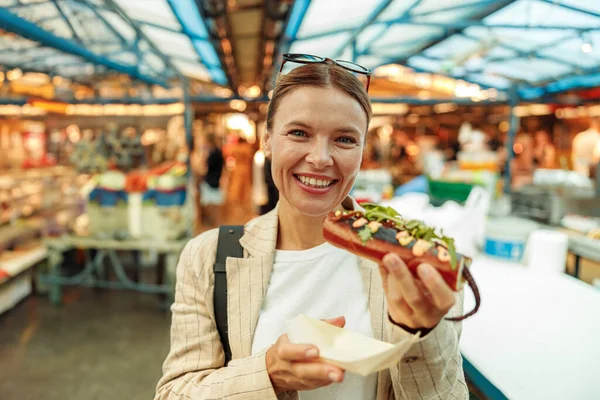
587 46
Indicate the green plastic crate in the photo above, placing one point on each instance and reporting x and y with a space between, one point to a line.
442 191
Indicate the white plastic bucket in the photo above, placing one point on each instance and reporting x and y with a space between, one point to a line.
506 237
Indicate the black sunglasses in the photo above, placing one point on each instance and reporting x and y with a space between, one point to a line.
310 59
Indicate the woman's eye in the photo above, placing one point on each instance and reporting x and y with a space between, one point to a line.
297 133
347 140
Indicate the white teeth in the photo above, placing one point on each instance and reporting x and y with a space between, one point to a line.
319 183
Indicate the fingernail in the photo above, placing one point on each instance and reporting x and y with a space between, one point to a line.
392 260
312 353
425 271
334 377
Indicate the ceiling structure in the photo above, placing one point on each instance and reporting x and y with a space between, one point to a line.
538 46
154 42
531 48
247 34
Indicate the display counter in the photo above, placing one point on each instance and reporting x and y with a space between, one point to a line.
95 274
535 336
15 276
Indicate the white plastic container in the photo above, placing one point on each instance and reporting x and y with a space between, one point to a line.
546 251
506 237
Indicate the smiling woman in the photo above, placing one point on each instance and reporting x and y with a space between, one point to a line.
315 141
316 127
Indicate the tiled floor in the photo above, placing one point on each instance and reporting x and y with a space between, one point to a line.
105 345
98 345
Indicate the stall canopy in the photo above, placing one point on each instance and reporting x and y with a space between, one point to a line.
538 47
150 40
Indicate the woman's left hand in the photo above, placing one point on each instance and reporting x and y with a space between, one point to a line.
415 303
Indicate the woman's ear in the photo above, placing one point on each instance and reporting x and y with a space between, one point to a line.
266 144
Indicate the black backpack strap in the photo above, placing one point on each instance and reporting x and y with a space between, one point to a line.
227 246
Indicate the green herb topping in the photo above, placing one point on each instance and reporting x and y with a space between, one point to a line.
365 234
417 229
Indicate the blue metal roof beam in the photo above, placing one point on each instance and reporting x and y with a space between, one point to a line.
524 54
495 6
111 28
192 25
297 14
475 4
406 15
381 7
296 17
430 71
405 18
22 6
168 29
11 50
134 47
114 7
21 26
590 77
67 21
459 25
32 64
572 8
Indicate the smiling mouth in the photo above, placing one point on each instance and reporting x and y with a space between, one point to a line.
315 183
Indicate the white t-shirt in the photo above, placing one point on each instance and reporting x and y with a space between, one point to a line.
323 282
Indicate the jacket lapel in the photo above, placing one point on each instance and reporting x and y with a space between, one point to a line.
247 288
375 296
377 307
247 281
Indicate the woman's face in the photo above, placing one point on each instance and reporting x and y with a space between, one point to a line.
316 145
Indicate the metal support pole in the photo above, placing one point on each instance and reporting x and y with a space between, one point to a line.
192 186
188 115
354 53
513 100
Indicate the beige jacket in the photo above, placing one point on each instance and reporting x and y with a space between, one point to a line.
432 368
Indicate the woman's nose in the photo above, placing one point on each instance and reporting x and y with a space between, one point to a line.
320 155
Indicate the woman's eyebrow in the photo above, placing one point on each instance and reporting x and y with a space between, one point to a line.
298 123
342 129
348 129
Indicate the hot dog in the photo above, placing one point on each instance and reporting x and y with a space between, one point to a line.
381 230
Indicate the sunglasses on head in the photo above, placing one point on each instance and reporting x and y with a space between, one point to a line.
310 59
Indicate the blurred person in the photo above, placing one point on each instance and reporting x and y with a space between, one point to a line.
240 180
495 143
211 195
523 150
586 148
316 127
544 152
370 158
398 146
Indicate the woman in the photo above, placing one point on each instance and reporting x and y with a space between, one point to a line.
544 152
316 127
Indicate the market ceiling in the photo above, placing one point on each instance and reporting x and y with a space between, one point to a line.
538 47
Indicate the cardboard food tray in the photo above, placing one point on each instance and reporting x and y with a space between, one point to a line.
348 350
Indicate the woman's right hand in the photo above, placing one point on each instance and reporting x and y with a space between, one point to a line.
298 367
